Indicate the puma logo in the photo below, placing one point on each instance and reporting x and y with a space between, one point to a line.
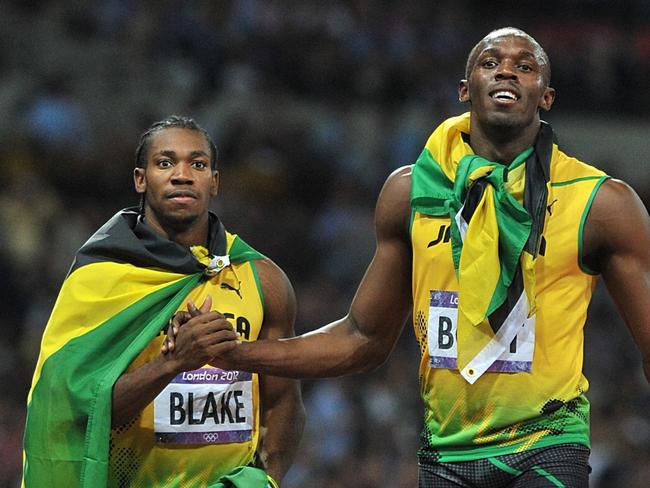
226 286
549 208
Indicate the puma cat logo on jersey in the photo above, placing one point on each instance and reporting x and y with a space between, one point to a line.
226 286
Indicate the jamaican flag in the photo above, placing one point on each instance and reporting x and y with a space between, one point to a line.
497 215
124 285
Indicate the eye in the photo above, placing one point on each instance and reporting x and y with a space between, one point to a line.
164 163
199 164
489 64
527 68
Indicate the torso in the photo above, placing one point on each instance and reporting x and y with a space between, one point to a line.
504 411
205 422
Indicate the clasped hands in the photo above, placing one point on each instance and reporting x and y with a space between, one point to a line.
200 336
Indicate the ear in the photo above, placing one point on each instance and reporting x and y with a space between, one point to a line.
139 180
214 184
547 99
463 91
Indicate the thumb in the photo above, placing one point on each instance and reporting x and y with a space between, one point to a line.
207 304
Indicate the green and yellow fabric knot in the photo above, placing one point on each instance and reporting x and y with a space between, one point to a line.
489 249
491 228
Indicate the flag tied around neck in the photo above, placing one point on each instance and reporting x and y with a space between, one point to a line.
497 217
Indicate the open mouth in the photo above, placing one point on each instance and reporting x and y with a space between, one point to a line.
504 96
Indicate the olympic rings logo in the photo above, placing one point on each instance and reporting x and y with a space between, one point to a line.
211 437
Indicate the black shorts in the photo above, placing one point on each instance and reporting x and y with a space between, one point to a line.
561 466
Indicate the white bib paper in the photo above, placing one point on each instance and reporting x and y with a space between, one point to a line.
443 351
205 406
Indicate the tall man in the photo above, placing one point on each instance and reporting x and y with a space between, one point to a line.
493 240
107 407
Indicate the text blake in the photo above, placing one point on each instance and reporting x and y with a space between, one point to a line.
225 407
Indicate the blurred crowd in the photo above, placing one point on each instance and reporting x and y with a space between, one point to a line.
312 104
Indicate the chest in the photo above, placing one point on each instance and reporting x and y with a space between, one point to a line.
237 296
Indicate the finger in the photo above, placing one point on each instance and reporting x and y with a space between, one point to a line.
177 320
220 336
191 308
169 344
206 305
212 316
214 331
203 325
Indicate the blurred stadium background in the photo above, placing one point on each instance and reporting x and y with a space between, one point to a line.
312 104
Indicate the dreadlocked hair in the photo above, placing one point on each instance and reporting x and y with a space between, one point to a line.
172 122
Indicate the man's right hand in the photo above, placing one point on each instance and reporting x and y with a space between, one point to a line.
180 318
195 337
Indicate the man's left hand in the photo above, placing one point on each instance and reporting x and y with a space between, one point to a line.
179 319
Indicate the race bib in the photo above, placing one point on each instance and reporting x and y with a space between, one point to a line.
443 351
205 406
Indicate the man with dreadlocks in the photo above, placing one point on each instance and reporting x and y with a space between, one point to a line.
110 405
493 241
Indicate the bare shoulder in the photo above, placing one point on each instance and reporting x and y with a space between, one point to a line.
394 203
615 203
615 193
397 187
617 221
269 272
279 300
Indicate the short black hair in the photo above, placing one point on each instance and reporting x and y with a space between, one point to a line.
173 122
505 32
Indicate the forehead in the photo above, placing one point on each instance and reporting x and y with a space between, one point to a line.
178 140
510 43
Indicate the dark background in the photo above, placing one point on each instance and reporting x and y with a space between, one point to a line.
312 104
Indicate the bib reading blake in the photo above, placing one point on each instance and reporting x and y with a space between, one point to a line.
205 406
206 421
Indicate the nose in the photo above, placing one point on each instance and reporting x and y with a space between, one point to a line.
182 174
506 71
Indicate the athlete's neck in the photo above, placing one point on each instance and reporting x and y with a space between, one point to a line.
502 145
186 234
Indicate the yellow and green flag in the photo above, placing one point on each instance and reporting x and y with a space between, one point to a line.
497 216
124 285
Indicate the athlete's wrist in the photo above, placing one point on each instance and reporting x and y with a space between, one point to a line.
234 358
169 365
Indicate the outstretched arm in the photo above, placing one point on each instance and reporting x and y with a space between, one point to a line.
617 243
363 339
282 412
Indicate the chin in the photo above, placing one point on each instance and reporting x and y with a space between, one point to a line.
177 221
507 120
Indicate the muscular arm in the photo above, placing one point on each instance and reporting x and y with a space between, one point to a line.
199 340
135 390
364 338
282 412
617 243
